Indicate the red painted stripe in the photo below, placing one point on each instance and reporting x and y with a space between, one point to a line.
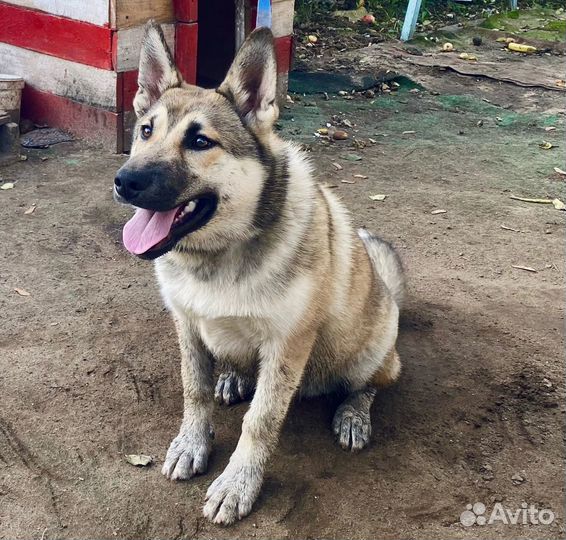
284 53
129 89
186 39
57 36
186 10
84 121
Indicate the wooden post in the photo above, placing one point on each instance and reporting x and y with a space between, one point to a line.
240 23
411 18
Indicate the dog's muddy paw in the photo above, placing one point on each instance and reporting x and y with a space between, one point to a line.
187 455
352 427
231 496
232 388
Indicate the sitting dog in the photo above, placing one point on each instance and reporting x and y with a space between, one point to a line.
258 264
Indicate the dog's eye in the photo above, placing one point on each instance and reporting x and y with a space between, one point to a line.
200 142
146 131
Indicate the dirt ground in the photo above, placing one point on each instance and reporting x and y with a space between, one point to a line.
89 366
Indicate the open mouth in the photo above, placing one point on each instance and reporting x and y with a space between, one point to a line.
150 234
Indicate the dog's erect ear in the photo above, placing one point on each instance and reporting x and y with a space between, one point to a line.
157 71
251 83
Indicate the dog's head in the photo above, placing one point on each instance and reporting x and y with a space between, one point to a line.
200 158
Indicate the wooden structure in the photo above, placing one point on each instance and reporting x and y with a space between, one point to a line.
79 58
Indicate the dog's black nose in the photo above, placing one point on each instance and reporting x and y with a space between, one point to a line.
130 183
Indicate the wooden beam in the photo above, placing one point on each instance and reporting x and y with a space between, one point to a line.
93 11
128 13
79 82
411 18
57 36
186 10
186 41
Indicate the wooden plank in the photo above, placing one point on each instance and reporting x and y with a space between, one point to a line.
284 53
76 81
89 123
186 10
57 36
129 13
128 44
411 18
93 11
186 39
283 13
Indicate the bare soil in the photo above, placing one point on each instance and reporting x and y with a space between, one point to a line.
89 366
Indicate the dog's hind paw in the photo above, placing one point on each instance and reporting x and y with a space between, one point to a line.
232 388
188 454
231 496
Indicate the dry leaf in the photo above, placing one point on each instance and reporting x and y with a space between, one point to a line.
378 197
558 204
550 128
559 171
322 131
353 157
30 210
526 199
509 228
337 166
435 212
408 132
22 292
545 145
7 185
362 176
139 460
527 268
348 181
561 83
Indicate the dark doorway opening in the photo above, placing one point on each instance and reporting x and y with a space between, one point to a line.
216 40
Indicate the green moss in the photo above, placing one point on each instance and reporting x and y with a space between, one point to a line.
556 26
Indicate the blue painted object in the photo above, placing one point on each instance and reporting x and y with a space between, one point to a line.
263 14
411 18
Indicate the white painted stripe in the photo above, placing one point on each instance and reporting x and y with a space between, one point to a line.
92 11
79 82
283 11
129 43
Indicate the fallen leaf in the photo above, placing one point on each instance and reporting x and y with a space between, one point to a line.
372 141
22 292
526 199
558 204
378 197
23 158
348 181
7 185
440 211
139 460
561 83
353 157
30 210
337 166
509 228
527 268
559 171
362 176
322 131
550 128
408 132
545 145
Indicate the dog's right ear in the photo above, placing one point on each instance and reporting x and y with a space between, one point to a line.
157 71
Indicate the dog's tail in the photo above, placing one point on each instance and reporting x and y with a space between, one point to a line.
387 264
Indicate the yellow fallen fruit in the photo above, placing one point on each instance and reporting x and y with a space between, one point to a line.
520 47
469 57
510 40
312 39
447 47
558 204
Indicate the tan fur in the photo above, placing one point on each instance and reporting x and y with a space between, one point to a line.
277 287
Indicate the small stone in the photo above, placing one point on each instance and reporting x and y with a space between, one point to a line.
477 41
517 479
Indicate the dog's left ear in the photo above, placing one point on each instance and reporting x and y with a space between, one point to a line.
157 71
251 82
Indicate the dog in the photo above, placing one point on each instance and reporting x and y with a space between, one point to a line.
259 265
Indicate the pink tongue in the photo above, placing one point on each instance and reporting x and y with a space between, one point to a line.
146 229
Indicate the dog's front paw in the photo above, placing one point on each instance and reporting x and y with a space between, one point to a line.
232 388
231 496
188 454
352 427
